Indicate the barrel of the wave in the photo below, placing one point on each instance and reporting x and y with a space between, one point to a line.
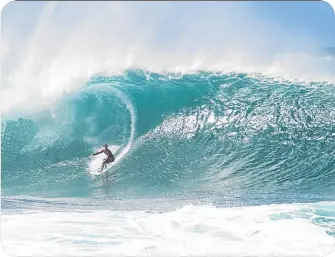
95 165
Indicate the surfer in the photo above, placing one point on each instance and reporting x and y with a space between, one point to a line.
110 157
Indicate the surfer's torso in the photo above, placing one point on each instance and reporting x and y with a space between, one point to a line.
109 154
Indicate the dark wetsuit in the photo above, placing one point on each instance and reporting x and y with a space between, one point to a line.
110 156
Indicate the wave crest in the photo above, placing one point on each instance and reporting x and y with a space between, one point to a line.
227 133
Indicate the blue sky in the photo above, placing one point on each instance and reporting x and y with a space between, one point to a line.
313 18
50 48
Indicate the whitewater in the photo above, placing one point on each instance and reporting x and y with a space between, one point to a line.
219 150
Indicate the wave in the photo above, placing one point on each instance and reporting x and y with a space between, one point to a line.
196 134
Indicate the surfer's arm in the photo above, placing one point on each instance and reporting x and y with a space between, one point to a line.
97 153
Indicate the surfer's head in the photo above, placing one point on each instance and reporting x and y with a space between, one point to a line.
105 146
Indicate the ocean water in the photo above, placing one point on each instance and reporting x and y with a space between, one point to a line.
208 163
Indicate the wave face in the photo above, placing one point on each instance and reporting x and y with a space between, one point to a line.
201 134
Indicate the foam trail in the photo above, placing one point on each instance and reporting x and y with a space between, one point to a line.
96 162
131 109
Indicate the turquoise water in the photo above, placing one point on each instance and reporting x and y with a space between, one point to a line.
198 134
234 157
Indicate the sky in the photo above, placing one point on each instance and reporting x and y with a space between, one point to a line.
312 17
317 18
48 48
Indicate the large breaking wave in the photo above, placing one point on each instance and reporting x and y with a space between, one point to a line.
188 135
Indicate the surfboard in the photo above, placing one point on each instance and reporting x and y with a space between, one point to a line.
98 171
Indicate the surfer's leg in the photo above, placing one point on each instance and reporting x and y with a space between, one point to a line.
103 164
108 160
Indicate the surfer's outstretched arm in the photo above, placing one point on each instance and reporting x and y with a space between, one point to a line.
97 153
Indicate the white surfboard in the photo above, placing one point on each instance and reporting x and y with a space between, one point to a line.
98 171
